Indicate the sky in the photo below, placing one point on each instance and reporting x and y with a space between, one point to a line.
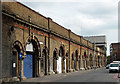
83 17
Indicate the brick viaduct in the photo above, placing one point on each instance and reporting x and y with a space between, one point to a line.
22 26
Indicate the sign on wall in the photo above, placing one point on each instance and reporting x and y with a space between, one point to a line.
29 47
41 43
21 55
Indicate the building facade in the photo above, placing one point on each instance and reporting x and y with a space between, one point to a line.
114 52
34 45
99 41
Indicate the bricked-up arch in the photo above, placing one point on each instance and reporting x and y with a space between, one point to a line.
76 60
67 54
98 61
73 56
44 61
17 48
85 55
76 54
35 58
67 61
72 62
84 59
91 60
55 58
38 45
62 51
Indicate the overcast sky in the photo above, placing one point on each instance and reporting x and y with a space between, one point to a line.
83 17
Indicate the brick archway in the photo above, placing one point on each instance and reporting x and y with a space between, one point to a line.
55 58
62 49
76 60
44 61
18 43
62 55
33 38
34 55
91 61
84 59
72 61
17 48
67 61
79 62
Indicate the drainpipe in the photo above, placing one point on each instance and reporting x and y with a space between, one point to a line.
49 33
1 45
69 50
81 60
29 19
45 58
87 56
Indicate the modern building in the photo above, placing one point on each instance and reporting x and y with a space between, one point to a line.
34 45
114 52
99 41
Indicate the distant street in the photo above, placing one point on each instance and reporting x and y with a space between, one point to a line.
98 75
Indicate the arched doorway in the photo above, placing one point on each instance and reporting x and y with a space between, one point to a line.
84 60
67 62
55 60
76 60
91 60
31 62
16 50
95 61
60 61
101 61
79 63
98 61
72 62
44 61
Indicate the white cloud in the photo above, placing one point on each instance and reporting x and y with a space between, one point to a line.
89 22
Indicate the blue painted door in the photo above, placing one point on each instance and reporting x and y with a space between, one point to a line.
28 66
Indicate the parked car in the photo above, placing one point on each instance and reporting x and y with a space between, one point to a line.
107 67
114 67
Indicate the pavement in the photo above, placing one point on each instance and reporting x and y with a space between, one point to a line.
92 76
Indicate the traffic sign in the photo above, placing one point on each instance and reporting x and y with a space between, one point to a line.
21 55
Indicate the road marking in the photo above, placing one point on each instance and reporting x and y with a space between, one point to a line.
116 76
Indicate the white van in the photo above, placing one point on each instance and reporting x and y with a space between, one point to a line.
114 67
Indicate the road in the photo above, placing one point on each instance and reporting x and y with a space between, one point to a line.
98 75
